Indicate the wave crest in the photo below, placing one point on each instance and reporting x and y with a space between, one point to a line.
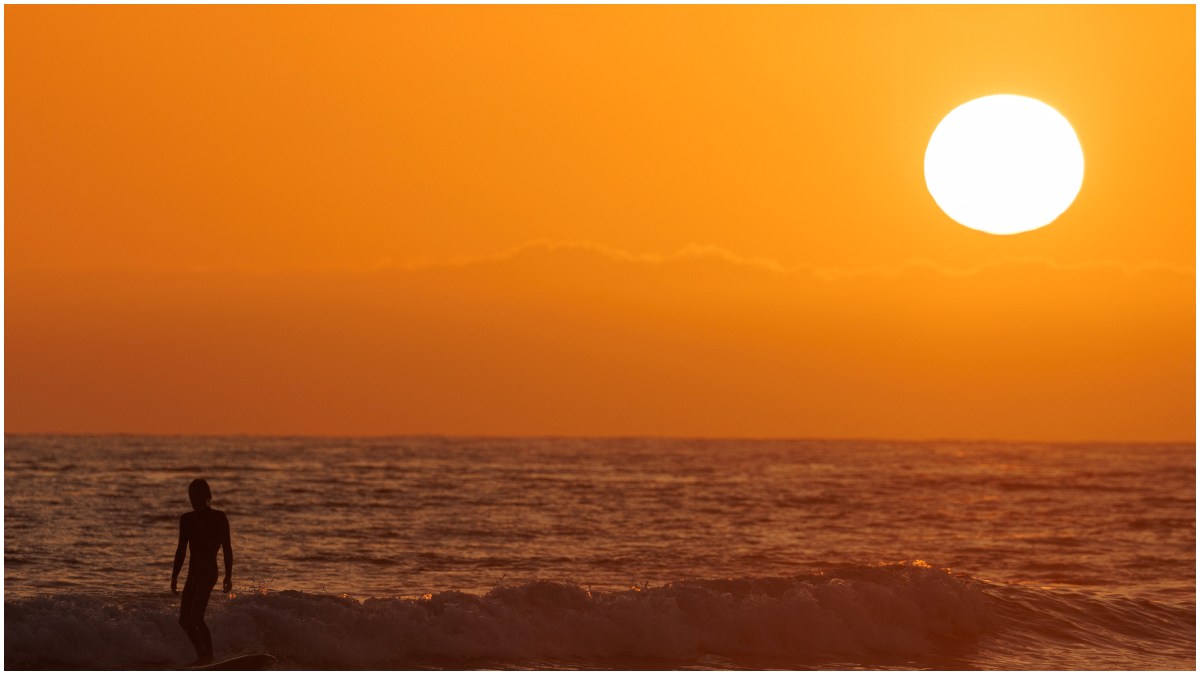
906 609
906 614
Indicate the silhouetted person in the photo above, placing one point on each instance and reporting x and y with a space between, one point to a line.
206 530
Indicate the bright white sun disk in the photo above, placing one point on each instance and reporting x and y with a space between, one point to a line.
1004 164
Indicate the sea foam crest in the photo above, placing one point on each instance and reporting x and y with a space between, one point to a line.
901 610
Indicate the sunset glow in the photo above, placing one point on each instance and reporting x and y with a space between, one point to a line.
585 220
600 337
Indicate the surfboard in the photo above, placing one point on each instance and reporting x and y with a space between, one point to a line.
246 662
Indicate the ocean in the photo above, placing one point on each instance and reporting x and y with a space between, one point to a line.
431 552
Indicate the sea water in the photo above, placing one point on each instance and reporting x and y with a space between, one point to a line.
416 552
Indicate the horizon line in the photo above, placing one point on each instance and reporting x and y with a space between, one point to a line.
678 437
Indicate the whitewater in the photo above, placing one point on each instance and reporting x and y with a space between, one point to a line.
431 552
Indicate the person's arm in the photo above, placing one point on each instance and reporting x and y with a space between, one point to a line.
228 546
180 552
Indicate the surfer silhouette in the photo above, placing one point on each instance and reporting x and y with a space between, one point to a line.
204 529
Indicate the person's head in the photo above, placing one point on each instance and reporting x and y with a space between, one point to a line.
199 493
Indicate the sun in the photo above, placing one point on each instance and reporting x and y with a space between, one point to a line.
1004 164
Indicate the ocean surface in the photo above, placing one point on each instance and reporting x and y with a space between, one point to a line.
428 552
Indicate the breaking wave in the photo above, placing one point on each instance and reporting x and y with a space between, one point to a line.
901 615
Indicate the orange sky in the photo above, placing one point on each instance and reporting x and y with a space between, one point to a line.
586 220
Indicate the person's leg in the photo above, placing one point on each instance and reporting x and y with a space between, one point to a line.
201 627
206 638
188 617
